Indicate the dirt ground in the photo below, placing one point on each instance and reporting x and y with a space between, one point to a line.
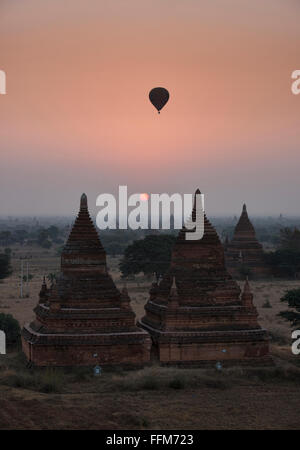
201 399
255 407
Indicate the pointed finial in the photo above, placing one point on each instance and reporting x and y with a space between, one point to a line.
173 283
83 202
197 192
244 207
173 296
173 292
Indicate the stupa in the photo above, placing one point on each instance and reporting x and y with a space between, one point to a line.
244 254
197 312
83 319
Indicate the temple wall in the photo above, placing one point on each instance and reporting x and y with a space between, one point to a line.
82 325
216 322
174 353
83 355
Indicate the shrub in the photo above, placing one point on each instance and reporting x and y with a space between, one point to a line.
5 267
292 298
42 381
177 382
80 374
21 380
50 381
150 383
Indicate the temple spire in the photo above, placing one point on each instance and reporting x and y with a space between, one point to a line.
244 227
83 249
83 203
210 233
197 192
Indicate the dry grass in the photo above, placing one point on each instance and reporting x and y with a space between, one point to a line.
154 397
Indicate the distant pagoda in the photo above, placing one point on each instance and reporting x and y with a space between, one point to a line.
197 312
83 319
244 254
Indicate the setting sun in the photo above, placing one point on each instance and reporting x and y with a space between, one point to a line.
144 197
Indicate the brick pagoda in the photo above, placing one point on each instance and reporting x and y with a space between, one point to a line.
83 319
244 254
197 313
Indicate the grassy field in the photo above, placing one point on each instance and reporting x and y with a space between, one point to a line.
154 397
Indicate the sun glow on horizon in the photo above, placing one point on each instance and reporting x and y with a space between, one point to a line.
144 197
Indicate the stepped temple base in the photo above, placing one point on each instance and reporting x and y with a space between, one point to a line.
128 349
205 347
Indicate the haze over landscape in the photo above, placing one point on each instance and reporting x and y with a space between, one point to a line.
190 327
76 117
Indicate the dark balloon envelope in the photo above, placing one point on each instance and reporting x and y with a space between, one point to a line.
158 97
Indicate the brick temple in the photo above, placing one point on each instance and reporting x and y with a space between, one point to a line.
198 313
83 319
244 254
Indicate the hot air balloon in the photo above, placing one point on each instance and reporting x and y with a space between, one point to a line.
158 97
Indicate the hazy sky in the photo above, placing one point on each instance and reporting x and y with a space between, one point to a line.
76 117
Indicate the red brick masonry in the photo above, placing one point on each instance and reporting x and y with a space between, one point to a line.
197 312
83 319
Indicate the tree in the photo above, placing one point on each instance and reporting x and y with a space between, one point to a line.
46 244
292 298
11 328
30 277
53 232
43 239
284 262
5 237
290 239
21 235
149 255
5 268
51 277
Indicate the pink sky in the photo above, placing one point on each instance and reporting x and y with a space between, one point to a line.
76 117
